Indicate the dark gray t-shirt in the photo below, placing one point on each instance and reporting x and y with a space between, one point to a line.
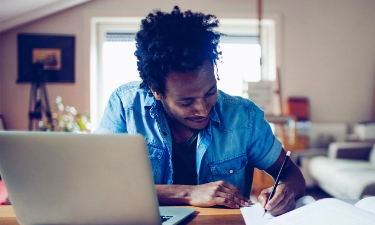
184 161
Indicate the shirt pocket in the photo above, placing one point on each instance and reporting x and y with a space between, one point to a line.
156 158
231 170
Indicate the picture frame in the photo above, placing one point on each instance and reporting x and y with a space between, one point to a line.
2 123
56 53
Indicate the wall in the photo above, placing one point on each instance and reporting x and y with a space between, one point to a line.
327 52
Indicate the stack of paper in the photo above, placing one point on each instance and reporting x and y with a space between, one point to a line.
329 211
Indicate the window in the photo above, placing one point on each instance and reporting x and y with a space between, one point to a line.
119 65
116 63
240 63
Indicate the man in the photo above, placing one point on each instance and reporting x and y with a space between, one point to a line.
202 143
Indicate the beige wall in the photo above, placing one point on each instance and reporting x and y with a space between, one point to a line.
327 52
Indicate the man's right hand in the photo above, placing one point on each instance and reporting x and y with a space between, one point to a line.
204 195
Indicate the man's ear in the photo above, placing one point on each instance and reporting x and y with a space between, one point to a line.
156 94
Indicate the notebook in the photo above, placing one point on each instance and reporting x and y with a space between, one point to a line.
66 178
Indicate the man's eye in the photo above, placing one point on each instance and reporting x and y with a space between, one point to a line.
184 104
211 93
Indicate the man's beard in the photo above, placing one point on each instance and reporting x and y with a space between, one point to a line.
170 115
167 110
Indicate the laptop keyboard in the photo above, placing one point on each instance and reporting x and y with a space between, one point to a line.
165 218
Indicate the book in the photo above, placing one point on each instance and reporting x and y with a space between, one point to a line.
328 211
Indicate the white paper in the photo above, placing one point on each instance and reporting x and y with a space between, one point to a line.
304 201
253 214
327 211
367 204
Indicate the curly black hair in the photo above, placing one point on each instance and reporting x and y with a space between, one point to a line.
176 41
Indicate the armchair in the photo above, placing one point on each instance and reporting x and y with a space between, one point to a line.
347 171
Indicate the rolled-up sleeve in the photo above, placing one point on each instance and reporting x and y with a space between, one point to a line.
265 147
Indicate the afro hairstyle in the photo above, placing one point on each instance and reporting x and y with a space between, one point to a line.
176 41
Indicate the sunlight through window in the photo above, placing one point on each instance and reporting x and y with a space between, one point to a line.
240 63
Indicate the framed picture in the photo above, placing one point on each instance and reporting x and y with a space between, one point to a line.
55 54
2 123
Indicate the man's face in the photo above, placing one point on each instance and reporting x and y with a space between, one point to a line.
190 96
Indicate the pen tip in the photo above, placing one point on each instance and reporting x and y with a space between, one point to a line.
264 214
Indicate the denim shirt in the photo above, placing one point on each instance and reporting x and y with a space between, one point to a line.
236 136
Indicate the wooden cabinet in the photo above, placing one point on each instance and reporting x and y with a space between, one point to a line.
261 180
301 144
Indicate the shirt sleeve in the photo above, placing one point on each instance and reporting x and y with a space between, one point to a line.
265 147
114 119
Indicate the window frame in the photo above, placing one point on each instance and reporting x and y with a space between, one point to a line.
249 27
99 27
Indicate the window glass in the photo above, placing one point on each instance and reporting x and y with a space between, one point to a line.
240 63
119 66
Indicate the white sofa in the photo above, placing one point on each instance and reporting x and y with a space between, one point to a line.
347 171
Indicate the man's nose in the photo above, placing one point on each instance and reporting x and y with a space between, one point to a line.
201 107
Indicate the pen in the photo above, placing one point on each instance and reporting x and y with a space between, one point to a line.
277 180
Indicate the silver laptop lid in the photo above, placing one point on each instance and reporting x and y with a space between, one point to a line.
65 178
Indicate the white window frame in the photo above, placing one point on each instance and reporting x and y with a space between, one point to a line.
249 27
99 27
270 39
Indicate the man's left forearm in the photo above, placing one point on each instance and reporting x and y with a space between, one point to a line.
294 179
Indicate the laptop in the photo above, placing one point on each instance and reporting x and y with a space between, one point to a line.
66 178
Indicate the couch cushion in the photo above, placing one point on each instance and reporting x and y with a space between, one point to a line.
350 150
342 178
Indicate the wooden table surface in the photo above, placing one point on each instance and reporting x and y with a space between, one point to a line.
205 216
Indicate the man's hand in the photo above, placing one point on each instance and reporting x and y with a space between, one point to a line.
204 195
291 186
282 201
217 193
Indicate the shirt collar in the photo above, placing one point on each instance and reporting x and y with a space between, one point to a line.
151 104
214 116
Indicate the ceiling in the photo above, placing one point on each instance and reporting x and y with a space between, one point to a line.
14 13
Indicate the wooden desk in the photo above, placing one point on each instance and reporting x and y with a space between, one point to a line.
205 216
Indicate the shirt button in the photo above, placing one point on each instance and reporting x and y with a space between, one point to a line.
230 171
165 133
